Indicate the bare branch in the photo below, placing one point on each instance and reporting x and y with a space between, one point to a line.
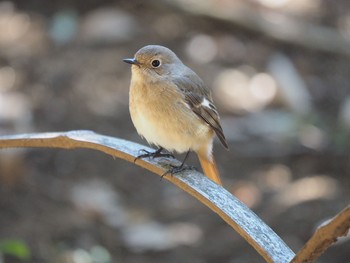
236 214
324 237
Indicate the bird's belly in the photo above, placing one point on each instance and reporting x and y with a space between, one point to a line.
171 128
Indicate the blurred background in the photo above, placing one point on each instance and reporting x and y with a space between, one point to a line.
280 75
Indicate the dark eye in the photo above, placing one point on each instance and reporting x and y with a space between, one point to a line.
155 63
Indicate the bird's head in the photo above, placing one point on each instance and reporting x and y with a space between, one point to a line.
153 62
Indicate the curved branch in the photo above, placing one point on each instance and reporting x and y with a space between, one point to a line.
229 208
324 237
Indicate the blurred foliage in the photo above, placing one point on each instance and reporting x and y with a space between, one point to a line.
16 248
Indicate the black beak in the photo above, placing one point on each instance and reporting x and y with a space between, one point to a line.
131 61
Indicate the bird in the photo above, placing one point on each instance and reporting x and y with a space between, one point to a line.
172 108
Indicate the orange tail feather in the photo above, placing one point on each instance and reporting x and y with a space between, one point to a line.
209 168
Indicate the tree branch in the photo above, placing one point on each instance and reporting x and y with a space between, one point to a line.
324 237
229 208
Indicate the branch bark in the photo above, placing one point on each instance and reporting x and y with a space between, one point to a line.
266 242
324 237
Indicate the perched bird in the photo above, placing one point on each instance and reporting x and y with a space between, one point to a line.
172 108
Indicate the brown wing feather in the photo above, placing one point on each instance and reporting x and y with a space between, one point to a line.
195 92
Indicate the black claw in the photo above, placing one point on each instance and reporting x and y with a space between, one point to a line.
156 154
177 169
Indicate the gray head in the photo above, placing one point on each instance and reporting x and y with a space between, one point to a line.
155 61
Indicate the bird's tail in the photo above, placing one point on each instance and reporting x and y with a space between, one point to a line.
209 167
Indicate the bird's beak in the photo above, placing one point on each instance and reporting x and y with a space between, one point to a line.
131 61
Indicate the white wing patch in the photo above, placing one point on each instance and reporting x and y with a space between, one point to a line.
206 103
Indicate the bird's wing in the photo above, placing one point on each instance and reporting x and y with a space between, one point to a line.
198 98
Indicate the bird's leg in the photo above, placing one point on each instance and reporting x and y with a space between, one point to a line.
155 154
180 168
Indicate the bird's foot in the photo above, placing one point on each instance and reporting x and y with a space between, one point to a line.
177 169
156 154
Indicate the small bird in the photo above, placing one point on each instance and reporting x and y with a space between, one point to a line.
172 108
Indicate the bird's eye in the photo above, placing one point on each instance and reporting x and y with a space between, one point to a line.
155 63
